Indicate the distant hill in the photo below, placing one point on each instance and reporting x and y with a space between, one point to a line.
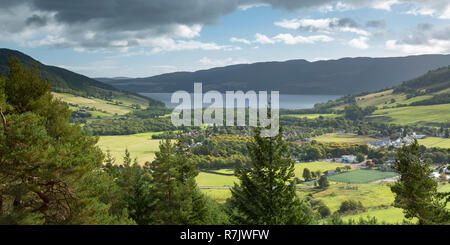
63 80
431 88
343 76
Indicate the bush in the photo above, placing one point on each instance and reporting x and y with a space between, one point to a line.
324 211
323 182
350 206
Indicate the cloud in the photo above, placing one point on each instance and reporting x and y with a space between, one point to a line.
376 24
424 39
249 6
120 25
239 40
435 8
106 24
207 62
263 39
359 43
326 25
289 39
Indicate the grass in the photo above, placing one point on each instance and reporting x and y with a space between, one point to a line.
389 215
141 146
414 115
107 107
371 195
314 166
310 116
361 176
435 142
219 195
212 179
343 138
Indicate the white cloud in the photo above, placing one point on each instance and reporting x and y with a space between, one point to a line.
434 46
325 25
239 40
360 43
207 62
291 40
165 44
263 39
385 5
245 7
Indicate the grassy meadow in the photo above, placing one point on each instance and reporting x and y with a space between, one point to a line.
343 138
314 166
414 115
141 146
223 177
435 142
310 116
107 108
361 176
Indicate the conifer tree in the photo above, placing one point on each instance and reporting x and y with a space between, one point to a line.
43 157
267 192
416 190
177 198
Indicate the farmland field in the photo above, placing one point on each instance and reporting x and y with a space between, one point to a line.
310 116
361 176
389 215
370 195
435 142
414 115
343 138
107 107
219 195
212 179
314 166
141 146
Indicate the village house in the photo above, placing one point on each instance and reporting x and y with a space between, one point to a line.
348 158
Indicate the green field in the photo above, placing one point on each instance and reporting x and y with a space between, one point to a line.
361 176
370 195
384 98
343 138
141 146
389 215
435 142
219 195
310 116
314 166
211 179
414 115
107 107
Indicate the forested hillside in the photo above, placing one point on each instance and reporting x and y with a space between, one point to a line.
65 81
341 77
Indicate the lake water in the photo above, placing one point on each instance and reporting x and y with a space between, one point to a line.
287 101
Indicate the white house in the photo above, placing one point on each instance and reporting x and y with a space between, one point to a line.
349 158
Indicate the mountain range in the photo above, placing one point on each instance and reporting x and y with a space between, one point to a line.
334 77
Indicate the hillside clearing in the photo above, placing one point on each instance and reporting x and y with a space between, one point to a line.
141 146
343 138
414 115
435 142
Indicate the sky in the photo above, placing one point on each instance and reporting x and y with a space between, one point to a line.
139 38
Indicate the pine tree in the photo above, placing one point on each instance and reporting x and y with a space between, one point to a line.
416 192
267 192
177 198
43 157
